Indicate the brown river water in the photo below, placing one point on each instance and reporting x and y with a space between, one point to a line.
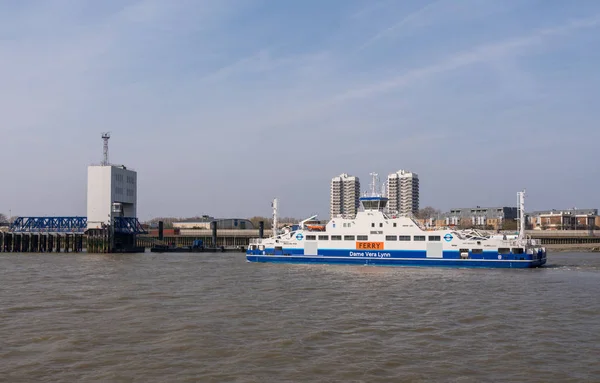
216 318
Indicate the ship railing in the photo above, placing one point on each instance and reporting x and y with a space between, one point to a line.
527 242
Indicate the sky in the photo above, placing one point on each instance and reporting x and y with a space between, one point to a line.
222 105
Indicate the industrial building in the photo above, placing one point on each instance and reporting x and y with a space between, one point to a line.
403 193
345 194
110 187
111 191
112 223
222 223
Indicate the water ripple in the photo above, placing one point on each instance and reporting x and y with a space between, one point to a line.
216 318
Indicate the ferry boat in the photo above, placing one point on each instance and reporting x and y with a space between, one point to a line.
373 237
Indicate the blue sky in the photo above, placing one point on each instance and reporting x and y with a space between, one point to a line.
222 105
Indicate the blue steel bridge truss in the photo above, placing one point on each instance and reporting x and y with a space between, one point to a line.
129 225
126 225
49 225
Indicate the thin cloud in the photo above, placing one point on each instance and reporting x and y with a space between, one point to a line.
402 23
482 53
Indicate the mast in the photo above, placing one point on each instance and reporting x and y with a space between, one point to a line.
521 204
274 205
105 138
374 184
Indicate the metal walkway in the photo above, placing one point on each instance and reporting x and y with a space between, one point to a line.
126 225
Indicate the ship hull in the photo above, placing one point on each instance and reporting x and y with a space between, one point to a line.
406 262
488 259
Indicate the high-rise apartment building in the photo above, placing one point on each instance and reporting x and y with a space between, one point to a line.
403 193
345 194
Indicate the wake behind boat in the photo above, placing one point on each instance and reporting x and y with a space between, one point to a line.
375 238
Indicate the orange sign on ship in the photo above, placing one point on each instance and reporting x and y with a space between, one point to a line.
369 245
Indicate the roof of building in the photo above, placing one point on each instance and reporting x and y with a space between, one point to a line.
566 211
478 210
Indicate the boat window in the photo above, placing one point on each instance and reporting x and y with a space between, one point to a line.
372 224
419 238
435 238
395 224
311 237
336 237
517 250
404 238
503 250
278 248
362 237
323 237
390 238
348 238
477 251
380 224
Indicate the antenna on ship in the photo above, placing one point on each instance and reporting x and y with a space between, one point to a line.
521 204
274 206
374 184
105 137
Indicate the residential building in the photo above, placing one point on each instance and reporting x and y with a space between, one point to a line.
496 218
345 194
403 193
568 219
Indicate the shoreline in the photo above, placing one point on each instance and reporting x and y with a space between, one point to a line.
580 247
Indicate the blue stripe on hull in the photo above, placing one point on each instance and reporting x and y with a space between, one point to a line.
428 262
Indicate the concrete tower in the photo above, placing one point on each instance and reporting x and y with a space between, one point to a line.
345 192
111 191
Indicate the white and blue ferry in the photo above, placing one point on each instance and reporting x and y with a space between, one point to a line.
374 238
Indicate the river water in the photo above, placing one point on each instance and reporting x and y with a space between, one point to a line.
215 318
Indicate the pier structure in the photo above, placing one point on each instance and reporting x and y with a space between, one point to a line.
110 226
44 234
32 242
